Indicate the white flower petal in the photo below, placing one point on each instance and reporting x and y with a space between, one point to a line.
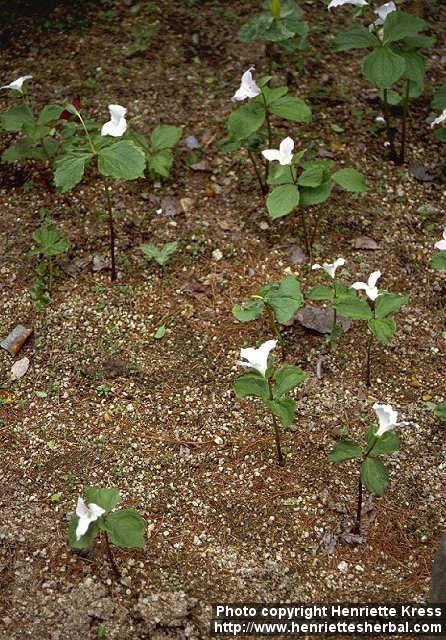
339 3
248 87
286 146
117 125
257 358
82 527
82 509
17 85
383 11
316 266
373 279
271 154
387 418
95 511
441 118
359 286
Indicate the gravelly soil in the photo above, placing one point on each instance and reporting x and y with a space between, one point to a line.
158 418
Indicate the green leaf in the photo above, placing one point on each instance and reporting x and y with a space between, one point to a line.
350 180
383 67
87 539
415 66
354 308
255 28
315 195
49 240
400 24
69 169
16 118
125 529
419 42
291 108
438 260
103 497
122 160
284 409
251 383
271 95
387 303
281 174
383 329
160 163
160 332
162 255
438 409
386 444
18 151
344 293
374 476
165 136
286 378
50 113
355 37
249 311
439 100
345 450
320 292
285 297
311 177
282 200
246 120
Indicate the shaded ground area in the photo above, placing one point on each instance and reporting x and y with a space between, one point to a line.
158 418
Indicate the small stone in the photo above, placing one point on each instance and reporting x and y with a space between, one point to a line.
217 255
343 566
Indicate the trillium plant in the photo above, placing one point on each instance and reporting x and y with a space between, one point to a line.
376 309
272 385
96 517
298 184
281 300
280 23
251 125
395 65
328 293
378 441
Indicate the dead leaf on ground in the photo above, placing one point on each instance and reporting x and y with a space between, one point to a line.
364 242
169 206
320 319
99 263
420 172
297 255
76 266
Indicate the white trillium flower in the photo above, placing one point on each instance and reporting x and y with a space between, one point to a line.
284 154
339 3
441 244
248 87
86 515
117 125
17 85
380 119
330 267
383 11
257 358
387 418
370 286
441 118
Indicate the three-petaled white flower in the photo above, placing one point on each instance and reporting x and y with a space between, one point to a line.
284 154
248 87
117 125
17 85
370 286
339 3
330 267
257 358
382 12
86 515
441 244
441 118
387 418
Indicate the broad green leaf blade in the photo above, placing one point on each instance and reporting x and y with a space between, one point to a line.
16 118
50 113
400 24
438 260
291 108
271 95
415 67
125 529
354 308
383 67
386 444
69 169
251 383
249 311
86 540
350 180
439 100
284 409
165 136
246 120
18 151
345 450
387 303
286 378
355 37
160 163
285 297
311 177
103 497
315 195
160 255
281 174
383 329
282 200
438 409
122 160
320 292
374 476
344 293
255 28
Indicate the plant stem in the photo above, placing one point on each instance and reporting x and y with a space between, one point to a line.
404 127
280 457
114 566
367 360
263 187
357 526
268 122
50 274
112 233
389 130
90 142
275 328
